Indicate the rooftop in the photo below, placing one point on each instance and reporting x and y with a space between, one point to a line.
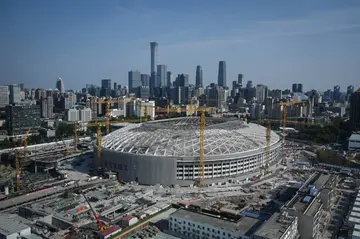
179 137
245 226
109 230
355 136
10 225
275 226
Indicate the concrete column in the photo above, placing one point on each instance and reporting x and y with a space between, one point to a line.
183 169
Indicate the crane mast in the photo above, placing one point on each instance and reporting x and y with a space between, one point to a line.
99 148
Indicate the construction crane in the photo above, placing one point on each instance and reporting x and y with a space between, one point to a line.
17 173
101 226
202 152
99 146
285 104
76 139
145 114
17 160
268 138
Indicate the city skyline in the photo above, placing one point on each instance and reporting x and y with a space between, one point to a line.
309 43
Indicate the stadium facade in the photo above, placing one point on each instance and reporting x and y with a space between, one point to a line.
167 151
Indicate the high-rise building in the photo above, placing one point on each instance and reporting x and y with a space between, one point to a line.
105 87
240 80
4 96
222 74
115 86
20 118
153 59
145 80
336 93
169 78
79 113
70 100
297 88
106 84
161 80
261 93
153 64
134 80
350 89
60 85
199 77
354 109
14 96
183 80
47 106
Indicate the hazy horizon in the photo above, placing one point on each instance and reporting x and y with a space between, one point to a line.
276 43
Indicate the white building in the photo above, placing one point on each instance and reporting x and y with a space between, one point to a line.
354 142
11 228
142 106
190 224
129 221
70 100
79 113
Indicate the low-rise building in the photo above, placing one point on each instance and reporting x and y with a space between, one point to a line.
354 142
11 228
129 221
192 224
107 233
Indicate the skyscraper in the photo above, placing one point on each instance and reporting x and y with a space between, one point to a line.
161 80
350 89
134 80
169 78
153 64
222 73
297 88
336 93
60 85
4 96
240 80
145 79
354 109
106 84
14 96
199 77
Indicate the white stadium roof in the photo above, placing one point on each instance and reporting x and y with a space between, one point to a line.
180 137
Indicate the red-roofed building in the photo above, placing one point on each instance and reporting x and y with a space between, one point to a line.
129 220
107 233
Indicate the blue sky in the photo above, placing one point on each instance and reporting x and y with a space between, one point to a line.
277 43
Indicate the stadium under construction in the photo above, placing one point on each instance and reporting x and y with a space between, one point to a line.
167 151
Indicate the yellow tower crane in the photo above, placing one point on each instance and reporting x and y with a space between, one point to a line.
17 160
202 152
99 146
76 138
17 167
145 114
285 104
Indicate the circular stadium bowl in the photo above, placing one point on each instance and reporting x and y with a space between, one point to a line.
167 151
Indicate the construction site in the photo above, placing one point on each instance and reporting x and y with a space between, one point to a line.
209 188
